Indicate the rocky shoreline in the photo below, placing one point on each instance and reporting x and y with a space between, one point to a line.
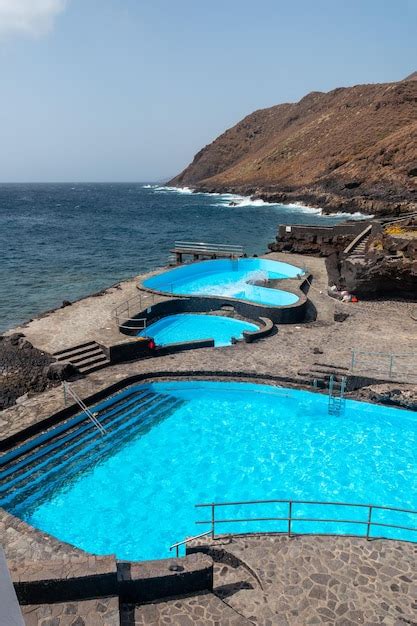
25 370
330 202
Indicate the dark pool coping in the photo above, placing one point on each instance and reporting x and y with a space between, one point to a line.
71 410
198 305
163 375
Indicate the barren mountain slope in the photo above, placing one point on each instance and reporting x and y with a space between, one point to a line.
352 148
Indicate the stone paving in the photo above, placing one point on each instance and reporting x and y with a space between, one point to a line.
318 580
100 612
21 542
201 610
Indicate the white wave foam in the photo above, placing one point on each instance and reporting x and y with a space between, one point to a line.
242 286
237 201
165 189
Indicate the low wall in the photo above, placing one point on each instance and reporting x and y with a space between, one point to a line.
289 314
94 577
321 240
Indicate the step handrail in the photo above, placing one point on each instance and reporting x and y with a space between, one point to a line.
185 541
124 307
68 390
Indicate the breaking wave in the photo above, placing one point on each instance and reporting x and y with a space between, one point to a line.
238 201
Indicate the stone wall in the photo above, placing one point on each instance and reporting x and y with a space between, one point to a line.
319 240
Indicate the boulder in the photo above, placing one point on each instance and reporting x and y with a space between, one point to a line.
14 338
60 371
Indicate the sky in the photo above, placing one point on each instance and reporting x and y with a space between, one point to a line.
130 90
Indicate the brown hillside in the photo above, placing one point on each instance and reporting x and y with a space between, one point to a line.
352 148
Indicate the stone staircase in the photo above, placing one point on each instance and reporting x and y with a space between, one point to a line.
360 249
357 248
86 357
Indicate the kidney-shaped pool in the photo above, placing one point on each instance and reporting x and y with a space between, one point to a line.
231 278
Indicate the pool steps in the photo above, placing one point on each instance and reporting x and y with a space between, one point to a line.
86 357
30 473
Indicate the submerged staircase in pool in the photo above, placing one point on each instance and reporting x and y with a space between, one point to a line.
32 471
86 357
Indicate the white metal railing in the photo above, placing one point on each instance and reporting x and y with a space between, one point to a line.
297 512
124 311
185 541
395 366
69 391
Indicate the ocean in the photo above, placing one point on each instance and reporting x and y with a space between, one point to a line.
63 241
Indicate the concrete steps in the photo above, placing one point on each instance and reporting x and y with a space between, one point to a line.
86 357
321 373
359 250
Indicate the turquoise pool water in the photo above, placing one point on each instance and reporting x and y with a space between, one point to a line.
233 278
211 441
191 327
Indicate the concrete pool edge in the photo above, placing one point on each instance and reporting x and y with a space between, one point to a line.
107 391
283 314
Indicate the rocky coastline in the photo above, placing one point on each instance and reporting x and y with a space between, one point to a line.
351 149
330 201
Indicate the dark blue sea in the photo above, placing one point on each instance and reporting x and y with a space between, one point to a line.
63 241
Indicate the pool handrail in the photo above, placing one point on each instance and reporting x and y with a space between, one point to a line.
369 522
125 307
187 540
68 390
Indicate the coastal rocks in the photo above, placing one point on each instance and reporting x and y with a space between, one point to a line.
389 266
404 396
60 371
21 369
317 240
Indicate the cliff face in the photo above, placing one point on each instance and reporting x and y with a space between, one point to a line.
352 148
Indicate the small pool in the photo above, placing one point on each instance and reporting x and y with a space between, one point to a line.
193 327
171 445
232 278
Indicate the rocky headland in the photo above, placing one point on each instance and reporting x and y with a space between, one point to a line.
351 149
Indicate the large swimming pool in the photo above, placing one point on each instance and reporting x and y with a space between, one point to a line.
232 278
193 327
171 445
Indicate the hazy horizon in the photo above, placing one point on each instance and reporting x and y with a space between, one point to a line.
98 91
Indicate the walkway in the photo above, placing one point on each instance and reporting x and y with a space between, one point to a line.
316 580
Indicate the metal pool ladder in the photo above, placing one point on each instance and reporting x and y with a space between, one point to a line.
337 398
68 390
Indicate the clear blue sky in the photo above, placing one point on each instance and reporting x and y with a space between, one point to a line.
129 90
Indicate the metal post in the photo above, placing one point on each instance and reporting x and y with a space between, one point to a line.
289 517
368 528
177 550
65 393
391 363
212 521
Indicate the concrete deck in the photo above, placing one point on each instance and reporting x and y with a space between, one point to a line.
318 580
